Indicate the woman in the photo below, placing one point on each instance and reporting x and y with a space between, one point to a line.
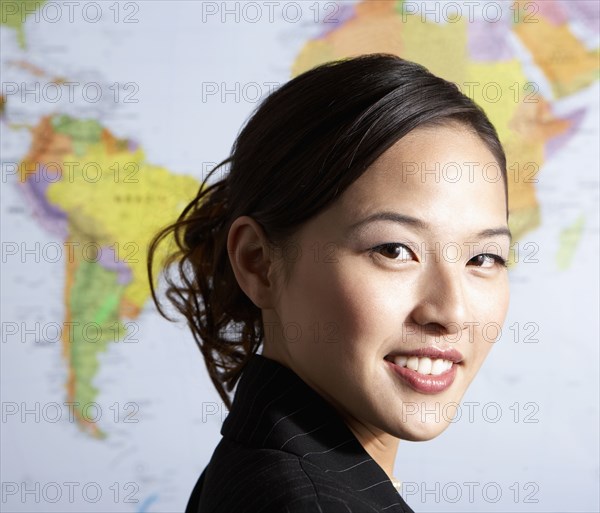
360 239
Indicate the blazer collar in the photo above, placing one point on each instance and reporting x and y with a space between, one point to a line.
274 409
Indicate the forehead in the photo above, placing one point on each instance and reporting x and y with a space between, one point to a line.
437 152
438 173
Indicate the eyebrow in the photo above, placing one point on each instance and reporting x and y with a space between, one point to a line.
396 217
494 232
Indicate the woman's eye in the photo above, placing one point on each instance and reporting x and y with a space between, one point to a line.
487 260
394 251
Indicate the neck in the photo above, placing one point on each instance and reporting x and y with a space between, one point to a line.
381 446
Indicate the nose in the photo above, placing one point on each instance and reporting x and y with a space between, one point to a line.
441 306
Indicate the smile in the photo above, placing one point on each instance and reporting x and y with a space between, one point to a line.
429 373
423 365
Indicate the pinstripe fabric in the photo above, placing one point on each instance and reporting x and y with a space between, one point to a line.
285 449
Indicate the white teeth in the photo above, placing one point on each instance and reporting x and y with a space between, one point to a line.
423 365
438 366
413 363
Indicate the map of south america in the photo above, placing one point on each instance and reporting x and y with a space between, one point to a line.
98 194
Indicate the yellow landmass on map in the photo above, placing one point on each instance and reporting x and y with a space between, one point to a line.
498 88
374 28
566 62
441 48
125 207
531 127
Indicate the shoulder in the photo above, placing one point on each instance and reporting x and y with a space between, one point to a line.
255 480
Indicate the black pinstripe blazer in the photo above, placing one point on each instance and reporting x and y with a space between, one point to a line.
285 449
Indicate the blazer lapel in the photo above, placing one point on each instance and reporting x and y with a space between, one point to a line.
273 408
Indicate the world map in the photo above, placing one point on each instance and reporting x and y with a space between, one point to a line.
79 174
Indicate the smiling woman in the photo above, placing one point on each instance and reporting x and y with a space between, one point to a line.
359 239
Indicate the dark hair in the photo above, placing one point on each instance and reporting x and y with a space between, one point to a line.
301 148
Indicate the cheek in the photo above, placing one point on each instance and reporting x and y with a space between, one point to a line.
378 309
350 304
489 317
369 307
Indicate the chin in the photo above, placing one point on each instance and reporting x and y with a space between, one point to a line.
422 431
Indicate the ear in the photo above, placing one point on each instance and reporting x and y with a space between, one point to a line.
251 260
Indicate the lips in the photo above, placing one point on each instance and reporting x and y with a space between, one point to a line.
427 370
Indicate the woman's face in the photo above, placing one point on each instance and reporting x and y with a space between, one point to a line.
423 281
